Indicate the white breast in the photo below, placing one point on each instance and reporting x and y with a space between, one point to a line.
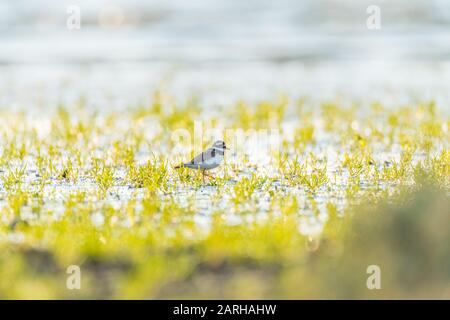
213 162
216 160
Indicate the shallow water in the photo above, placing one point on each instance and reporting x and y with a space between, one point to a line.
220 52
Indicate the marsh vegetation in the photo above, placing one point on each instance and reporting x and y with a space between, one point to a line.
346 186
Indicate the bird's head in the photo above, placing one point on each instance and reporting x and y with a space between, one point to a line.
220 145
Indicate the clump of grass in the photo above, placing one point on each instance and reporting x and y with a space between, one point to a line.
152 176
13 179
16 201
103 174
311 174
245 188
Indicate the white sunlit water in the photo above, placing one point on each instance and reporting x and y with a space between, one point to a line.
221 50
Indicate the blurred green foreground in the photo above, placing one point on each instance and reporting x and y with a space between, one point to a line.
82 191
407 236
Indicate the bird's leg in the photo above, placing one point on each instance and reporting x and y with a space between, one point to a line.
203 176
208 175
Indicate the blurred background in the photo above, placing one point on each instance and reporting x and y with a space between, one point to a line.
222 50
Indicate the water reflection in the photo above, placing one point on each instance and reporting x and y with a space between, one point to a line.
221 31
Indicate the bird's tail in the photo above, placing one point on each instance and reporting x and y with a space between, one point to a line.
178 167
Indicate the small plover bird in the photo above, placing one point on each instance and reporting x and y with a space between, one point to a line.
209 159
